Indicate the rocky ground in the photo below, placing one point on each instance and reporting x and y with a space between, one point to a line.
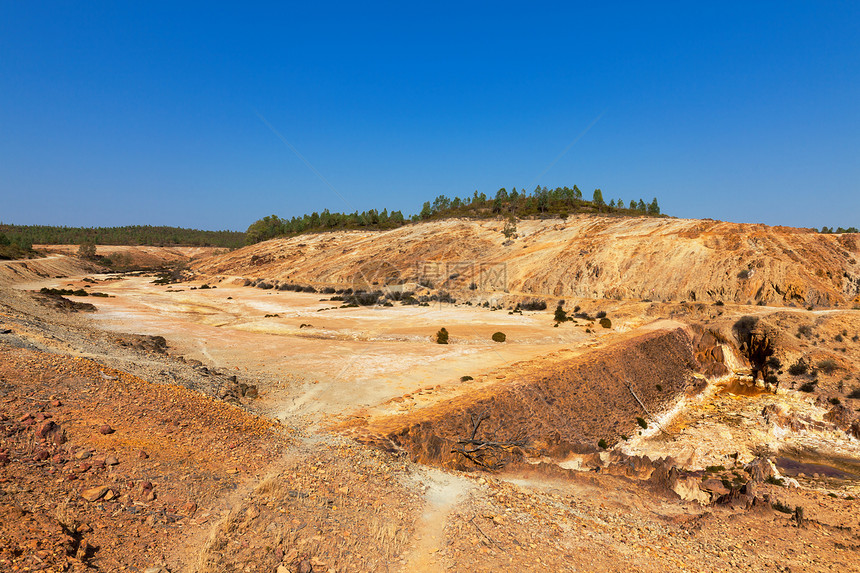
119 453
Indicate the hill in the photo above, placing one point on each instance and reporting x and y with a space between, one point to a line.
586 256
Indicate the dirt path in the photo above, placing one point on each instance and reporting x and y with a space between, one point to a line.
442 492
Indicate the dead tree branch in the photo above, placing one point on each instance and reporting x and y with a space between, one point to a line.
488 454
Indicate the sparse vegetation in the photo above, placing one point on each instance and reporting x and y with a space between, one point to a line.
808 386
536 304
755 344
541 203
605 323
87 250
773 480
442 336
602 444
465 378
70 292
829 230
642 423
828 366
799 368
499 337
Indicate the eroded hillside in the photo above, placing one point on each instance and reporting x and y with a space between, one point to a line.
584 256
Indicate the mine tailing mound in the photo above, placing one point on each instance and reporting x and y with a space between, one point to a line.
583 256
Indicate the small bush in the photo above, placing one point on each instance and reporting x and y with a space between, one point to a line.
715 469
828 366
807 387
465 378
855 394
642 423
533 305
804 330
602 444
605 323
442 336
838 338
781 507
659 387
835 401
601 314
499 337
773 480
744 274
799 368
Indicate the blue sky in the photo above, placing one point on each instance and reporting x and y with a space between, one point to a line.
121 113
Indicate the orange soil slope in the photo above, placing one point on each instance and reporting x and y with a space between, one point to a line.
578 400
583 256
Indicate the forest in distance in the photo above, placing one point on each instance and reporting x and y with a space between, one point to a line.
540 203
16 241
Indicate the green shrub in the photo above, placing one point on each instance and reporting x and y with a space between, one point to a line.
808 386
799 368
499 337
715 469
465 378
605 323
535 304
442 336
642 423
602 444
773 480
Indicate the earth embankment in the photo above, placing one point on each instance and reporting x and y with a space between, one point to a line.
556 403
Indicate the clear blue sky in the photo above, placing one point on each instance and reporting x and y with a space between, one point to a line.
115 113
